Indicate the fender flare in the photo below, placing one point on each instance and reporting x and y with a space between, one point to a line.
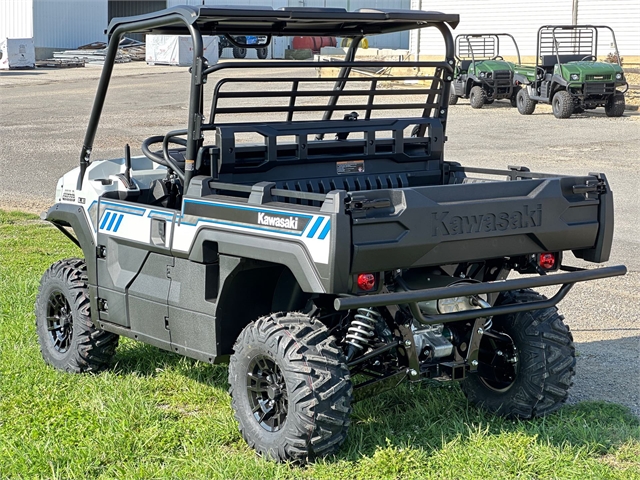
73 216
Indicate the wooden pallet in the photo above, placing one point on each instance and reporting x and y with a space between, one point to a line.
59 63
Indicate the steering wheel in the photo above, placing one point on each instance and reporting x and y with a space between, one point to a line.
166 159
589 57
498 57
540 73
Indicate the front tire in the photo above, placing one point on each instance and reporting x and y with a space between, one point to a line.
453 98
528 373
562 104
477 97
68 339
615 105
290 387
525 105
262 53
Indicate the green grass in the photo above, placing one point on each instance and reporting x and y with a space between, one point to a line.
157 415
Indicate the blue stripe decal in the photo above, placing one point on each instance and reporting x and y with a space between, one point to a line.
115 229
124 208
315 227
325 230
113 219
105 219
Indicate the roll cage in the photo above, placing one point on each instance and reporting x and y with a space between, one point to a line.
481 46
558 44
288 21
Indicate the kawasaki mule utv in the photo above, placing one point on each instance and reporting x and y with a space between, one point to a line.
334 257
482 75
568 74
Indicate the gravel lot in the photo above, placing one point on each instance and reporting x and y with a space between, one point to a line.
44 113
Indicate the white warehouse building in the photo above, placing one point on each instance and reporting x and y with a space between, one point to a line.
67 24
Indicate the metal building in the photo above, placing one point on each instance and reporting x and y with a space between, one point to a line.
522 20
67 24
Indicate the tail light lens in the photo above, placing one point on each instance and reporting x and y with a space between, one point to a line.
547 261
366 281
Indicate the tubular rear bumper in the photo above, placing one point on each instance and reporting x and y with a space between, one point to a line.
411 298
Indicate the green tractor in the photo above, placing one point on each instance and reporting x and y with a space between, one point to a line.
569 76
482 75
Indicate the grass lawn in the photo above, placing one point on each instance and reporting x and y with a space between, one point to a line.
158 415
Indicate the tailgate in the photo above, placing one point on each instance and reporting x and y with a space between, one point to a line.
437 225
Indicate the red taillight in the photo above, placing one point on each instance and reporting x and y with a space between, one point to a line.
366 281
547 260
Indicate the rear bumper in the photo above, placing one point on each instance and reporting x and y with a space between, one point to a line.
411 298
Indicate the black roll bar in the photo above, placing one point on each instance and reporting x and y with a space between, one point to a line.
105 78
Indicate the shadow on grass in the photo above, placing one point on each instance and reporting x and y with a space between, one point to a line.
148 361
424 416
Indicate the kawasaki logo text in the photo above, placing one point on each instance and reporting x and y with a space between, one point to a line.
279 222
527 217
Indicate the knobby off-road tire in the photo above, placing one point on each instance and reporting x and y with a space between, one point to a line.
453 98
68 339
262 53
562 104
477 97
290 387
615 105
525 105
538 382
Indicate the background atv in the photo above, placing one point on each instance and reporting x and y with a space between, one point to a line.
481 74
330 258
568 74
240 43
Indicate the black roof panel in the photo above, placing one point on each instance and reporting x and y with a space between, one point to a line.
287 21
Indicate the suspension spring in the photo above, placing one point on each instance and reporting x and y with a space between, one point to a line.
362 328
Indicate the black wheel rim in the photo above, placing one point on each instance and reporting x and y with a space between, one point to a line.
499 361
267 393
59 322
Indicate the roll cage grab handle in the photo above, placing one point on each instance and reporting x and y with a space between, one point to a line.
199 71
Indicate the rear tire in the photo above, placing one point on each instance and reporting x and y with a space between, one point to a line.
453 98
239 52
513 99
562 104
615 105
477 97
290 387
538 381
262 53
525 105
68 339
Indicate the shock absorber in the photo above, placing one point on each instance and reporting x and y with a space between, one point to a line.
361 330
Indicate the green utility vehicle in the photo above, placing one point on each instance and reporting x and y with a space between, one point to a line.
568 74
481 74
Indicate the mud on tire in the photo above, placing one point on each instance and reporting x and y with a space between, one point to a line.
68 339
545 364
290 387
